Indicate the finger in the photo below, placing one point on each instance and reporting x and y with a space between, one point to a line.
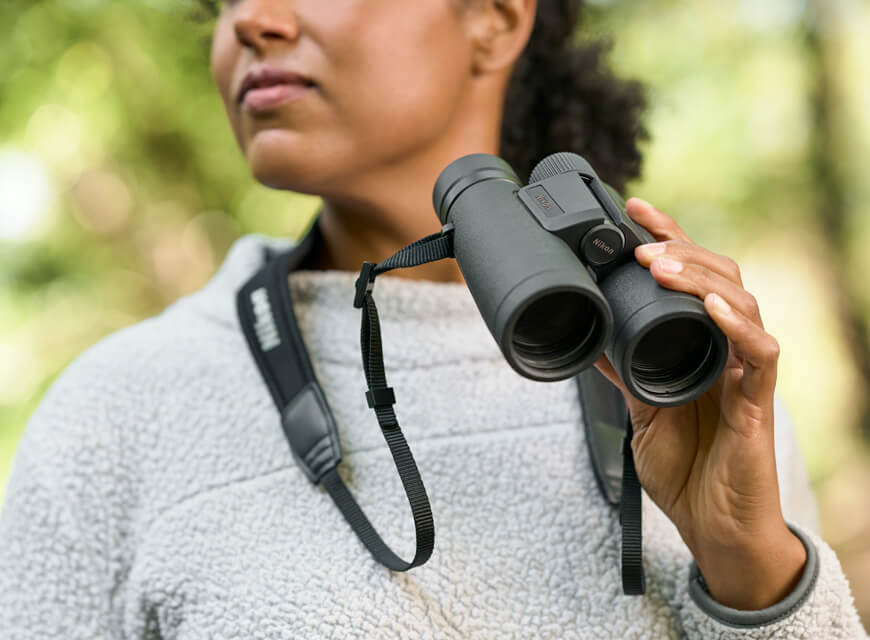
660 225
689 253
701 281
607 370
759 349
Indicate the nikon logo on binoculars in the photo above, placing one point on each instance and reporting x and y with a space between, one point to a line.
606 248
264 325
544 201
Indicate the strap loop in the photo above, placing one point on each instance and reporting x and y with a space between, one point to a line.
364 284
381 398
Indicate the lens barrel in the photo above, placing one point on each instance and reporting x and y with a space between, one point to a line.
541 305
666 349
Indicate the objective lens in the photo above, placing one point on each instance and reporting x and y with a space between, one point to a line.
557 330
673 356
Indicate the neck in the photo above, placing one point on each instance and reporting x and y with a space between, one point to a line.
395 208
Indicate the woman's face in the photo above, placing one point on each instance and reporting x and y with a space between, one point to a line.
387 78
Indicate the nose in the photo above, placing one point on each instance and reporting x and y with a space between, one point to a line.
261 23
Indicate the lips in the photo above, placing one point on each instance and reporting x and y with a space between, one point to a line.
266 87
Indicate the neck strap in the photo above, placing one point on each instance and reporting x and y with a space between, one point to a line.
265 310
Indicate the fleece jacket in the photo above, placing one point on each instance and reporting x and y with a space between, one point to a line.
153 494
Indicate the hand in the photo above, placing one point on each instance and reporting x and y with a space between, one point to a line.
709 464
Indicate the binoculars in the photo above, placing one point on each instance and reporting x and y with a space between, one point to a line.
551 268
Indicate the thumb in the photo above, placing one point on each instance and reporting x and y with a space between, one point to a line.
640 411
607 370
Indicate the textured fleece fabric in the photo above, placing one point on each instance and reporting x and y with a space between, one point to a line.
153 494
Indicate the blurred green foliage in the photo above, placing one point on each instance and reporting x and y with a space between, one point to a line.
121 188
109 112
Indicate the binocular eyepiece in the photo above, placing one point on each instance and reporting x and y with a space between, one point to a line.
552 270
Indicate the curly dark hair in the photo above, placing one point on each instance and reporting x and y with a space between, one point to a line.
563 97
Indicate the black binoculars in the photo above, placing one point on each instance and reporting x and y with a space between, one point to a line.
552 270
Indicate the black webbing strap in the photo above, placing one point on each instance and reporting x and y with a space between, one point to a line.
265 311
381 398
633 578
607 424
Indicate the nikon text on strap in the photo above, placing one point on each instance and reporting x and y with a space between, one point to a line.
265 310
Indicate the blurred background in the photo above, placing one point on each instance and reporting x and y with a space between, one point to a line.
121 189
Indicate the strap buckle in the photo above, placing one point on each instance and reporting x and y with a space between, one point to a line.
364 284
380 397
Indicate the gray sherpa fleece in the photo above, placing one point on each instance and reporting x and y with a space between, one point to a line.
153 494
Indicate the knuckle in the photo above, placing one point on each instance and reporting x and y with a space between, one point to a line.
677 248
771 349
706 279
751 303
733 269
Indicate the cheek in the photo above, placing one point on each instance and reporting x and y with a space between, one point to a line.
403 75
221 57
224 53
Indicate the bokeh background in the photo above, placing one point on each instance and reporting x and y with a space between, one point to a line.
121 189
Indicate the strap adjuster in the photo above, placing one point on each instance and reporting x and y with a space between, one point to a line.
364 284
380 397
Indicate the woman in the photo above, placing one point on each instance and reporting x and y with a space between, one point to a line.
153 495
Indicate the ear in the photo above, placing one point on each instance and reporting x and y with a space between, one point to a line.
500 30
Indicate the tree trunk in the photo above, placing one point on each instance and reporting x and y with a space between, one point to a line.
831 209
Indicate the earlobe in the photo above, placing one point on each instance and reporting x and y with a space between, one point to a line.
500 31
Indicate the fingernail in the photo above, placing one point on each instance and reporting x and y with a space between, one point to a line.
719 303
670 266
653 249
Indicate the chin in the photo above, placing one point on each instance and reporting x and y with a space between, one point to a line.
281 159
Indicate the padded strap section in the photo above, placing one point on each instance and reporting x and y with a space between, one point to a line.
311 431
604 424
